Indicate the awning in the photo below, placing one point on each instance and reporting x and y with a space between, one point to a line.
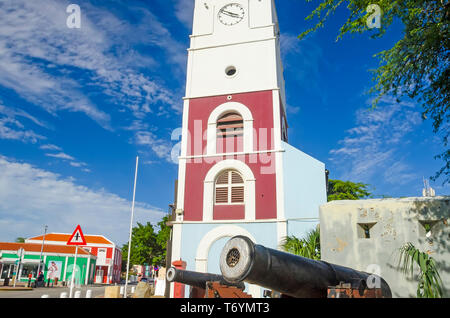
30 261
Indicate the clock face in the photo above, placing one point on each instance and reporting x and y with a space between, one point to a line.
231 14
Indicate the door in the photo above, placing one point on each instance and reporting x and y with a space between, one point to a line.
99 276
7 271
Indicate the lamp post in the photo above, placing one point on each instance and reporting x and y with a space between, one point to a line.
42 250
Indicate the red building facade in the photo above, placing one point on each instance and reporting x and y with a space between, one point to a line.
109 255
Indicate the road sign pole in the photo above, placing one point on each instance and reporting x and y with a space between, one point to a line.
76 239
73 272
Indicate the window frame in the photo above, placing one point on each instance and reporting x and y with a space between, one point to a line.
230 132
229 186
244 111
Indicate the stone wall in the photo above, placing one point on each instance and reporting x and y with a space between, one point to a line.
366 235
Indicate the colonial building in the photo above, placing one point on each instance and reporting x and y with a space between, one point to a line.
109 255
57 263
237 173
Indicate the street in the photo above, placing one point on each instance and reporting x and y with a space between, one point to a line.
55 292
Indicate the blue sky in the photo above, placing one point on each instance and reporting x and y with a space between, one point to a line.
78 105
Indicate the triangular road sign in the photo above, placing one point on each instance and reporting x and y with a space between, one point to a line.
77 237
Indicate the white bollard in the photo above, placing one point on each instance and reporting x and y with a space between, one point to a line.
78 294
89 294
121 290
133 289
44 296
63 295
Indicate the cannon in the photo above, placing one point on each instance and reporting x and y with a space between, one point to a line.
205 284
198 279
290 275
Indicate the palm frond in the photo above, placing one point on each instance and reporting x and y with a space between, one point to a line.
430 282
308 247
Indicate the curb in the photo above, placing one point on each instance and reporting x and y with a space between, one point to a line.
16 289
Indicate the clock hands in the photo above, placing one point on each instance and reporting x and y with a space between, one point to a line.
231 14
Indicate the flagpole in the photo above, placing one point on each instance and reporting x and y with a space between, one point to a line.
73 272
131 229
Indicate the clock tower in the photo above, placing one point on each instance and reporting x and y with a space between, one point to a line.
237 173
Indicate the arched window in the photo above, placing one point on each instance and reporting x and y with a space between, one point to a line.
229 188
230 125
232 120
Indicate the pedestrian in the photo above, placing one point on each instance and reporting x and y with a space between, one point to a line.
40 280
30 275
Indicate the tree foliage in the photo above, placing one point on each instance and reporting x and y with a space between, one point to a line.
417 66
346 190
430 283
147 246
162 238
308 247
20 240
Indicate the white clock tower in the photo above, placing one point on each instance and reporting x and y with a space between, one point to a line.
237 173
235 48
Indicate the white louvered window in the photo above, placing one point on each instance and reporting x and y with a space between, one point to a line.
230 125
229 188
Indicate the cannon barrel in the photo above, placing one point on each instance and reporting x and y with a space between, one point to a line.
198 279
295 276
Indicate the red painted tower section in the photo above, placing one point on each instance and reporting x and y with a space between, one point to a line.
261 106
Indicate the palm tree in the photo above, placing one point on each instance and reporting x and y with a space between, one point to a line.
308 247
429 280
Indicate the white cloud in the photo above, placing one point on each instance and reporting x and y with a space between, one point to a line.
292 109
63 156
160 147
137 125
289 44
60 155
13 129
51 66
50 147
38 54
14 112
303 63
14 134
77 164
184 11
372 148
31 197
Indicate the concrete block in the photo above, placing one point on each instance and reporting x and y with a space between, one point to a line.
112 292
142 291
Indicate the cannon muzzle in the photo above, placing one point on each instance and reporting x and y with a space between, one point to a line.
243 261
196 279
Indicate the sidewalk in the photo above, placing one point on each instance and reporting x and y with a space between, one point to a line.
17 288
21 286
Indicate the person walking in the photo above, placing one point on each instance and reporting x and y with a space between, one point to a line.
30 275
40 280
